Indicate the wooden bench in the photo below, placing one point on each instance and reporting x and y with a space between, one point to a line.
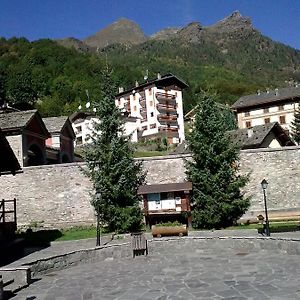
139 244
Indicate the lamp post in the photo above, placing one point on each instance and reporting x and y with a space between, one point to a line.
98 229
264 185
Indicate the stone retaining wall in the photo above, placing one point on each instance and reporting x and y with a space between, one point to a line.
59 195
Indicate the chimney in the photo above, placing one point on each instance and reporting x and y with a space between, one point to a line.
121 89
258 92
136 83
250 132
158 76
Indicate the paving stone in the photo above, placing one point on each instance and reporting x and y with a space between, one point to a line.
174 269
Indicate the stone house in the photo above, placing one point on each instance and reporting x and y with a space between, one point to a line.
26 134
261 108
270 135
60 146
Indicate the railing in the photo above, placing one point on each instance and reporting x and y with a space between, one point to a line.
171 108
172 118
165 96
11 209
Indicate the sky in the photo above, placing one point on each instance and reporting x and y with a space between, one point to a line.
35 19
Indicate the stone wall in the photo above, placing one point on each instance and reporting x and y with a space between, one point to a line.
58 195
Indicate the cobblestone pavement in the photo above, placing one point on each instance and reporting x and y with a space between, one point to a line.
178 269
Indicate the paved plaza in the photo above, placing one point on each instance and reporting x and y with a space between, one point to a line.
183 268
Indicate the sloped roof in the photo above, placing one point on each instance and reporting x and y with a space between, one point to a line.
267 97
164 81
164 188
18 119
8 161
259 134
55 124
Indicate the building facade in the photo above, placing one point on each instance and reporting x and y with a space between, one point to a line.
158 107
267 107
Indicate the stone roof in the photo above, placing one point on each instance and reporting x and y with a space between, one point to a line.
55 124
252 141
14 120
254 137
264 98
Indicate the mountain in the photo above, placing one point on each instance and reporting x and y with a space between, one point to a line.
122 31
75 43
230 57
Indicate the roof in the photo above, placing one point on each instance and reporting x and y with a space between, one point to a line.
259 134
8 161
20 119
15 120
278 95
55 124
165 80
164 188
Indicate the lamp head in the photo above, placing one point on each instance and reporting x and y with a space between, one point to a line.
264 184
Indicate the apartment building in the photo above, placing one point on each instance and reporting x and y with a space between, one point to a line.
278 105
157 105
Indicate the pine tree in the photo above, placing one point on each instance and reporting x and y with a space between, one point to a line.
115 174
217 198
296 125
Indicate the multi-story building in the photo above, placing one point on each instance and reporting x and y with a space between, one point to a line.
158 107
267 107
83 124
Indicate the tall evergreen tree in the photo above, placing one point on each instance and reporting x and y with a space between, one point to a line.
296 125
115 174
217 197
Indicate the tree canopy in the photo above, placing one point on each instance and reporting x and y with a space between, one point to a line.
115 174
217 197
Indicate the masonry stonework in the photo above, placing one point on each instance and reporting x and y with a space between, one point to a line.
59 195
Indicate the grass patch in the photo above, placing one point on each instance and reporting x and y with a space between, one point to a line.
77 233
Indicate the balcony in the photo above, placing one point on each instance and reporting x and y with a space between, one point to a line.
168 108
168 119
169 131
165 97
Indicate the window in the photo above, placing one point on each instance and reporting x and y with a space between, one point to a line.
153 197
135 108
266 110
175 94
152 114
280 107
150 92
247 114
151 103
79 128
248 124
267 120
79 140
282 119
152 126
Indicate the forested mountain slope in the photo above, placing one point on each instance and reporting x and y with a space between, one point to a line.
230 57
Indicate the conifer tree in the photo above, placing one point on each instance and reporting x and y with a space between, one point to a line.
217 198
296 125
115 174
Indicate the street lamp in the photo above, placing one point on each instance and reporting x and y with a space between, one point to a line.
264 185
98 230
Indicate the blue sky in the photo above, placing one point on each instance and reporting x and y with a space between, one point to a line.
34 19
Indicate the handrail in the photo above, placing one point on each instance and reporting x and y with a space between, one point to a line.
4 212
